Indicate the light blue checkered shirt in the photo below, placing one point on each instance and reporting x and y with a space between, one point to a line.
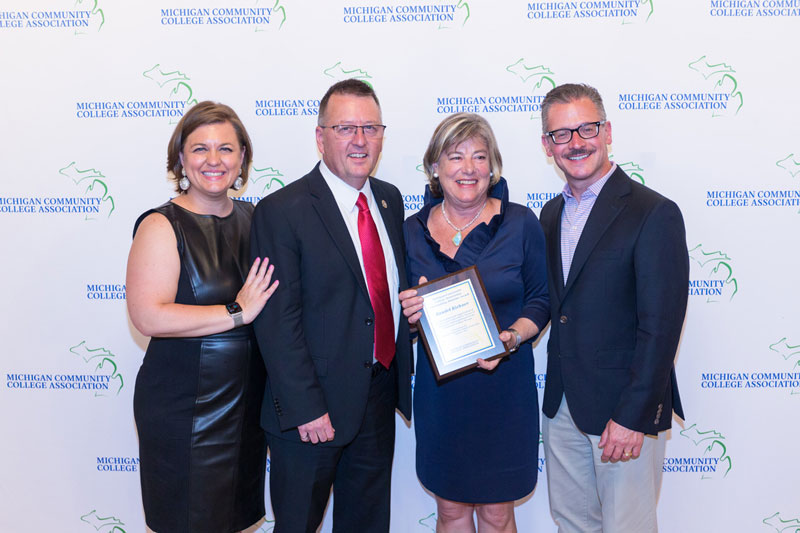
574 216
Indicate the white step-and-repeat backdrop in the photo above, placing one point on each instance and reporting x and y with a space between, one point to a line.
703 98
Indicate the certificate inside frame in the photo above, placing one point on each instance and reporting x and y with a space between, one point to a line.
458 325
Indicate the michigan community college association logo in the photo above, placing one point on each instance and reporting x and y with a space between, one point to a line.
716 282
714 461
721 77
103 524
102 361
176 85
442 14
537 79
257 16
86 18
790 353
626 11
92 183
778 524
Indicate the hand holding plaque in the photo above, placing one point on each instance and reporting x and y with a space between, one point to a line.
458 325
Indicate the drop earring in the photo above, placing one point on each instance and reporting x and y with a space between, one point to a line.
184 183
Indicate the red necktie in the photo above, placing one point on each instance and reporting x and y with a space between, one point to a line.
375 267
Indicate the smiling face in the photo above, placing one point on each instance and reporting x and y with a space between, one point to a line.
351 159
212 159
464 173
583 161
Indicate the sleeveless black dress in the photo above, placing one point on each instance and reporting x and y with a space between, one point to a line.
197 400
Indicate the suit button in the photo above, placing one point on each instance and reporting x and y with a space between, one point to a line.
368 321
563 319
367 364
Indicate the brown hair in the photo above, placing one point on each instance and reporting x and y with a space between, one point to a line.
350 86
202 114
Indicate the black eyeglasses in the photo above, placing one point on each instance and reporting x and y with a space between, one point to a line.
587 130
345 131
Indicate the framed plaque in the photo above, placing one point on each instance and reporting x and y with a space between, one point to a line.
458 325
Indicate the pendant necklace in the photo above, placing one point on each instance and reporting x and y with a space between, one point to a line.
457 236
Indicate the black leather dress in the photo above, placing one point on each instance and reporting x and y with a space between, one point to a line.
197 400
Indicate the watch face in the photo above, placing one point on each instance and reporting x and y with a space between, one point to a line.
233 308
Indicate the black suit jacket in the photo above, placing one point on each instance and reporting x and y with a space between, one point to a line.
617 322
316 333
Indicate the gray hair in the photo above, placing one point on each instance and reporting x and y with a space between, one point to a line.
569 92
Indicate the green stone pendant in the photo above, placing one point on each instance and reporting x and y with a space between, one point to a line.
457 238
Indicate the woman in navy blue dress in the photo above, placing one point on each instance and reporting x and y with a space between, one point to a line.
478 432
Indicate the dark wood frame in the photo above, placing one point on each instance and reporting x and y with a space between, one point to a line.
426 334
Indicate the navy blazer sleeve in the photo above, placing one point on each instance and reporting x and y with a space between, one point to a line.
661 265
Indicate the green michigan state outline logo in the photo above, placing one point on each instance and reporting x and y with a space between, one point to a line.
103 363
339 73
720 284
103 524
790 354
175 83
779 525
721 75
268 179
428 523
632 169
92 183
643 13
460 17
538 79
278 9
790 164
714 447
97 18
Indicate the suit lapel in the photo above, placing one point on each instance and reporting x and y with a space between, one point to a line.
392 229
327 209
553 239
608 205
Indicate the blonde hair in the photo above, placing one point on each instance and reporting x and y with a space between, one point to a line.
454 130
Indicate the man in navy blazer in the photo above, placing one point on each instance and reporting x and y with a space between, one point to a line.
618 280
335 372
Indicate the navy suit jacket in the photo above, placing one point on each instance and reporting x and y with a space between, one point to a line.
616 323
316 333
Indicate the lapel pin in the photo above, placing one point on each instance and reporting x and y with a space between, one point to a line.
383 203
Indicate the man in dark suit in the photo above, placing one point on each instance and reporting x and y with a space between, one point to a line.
338 356
618 280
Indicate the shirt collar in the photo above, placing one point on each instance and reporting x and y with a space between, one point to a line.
594 189
344 194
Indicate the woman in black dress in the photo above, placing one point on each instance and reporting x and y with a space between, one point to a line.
190 286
